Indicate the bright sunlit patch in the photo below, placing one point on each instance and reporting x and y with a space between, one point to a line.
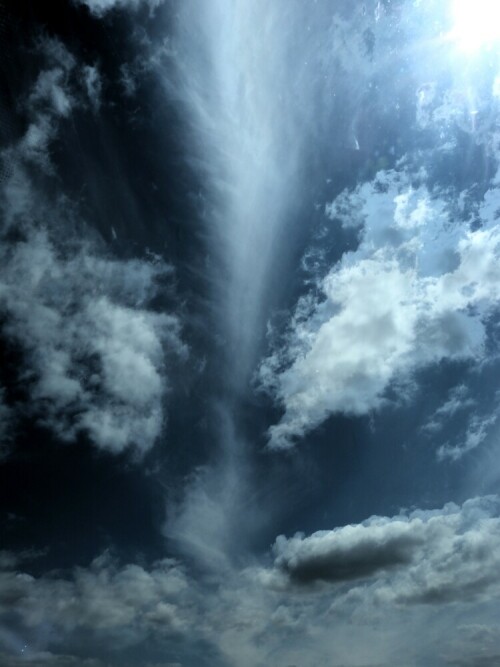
476 23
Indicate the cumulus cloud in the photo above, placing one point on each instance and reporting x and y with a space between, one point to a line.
416 290
386 577
95 352
125 603
424 557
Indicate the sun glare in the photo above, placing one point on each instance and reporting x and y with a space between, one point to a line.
476 23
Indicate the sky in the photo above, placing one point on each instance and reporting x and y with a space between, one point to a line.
249 333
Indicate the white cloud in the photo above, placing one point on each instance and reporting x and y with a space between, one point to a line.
458 400
414 292
477 431
95 352
95 355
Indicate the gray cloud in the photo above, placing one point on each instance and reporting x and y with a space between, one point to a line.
353 552
425 557
5 419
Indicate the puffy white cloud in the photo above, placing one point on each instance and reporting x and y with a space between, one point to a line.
95 355
415 291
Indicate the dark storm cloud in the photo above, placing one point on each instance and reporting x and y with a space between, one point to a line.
94 353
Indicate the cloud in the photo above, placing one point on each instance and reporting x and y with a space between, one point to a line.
352 552
93 85
95 356
425 557
458 400
95 352
416 290
46 659
387 578
478 429
478 424
96 617
102 7
476 661
126 602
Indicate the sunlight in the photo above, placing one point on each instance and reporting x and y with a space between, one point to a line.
476 23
